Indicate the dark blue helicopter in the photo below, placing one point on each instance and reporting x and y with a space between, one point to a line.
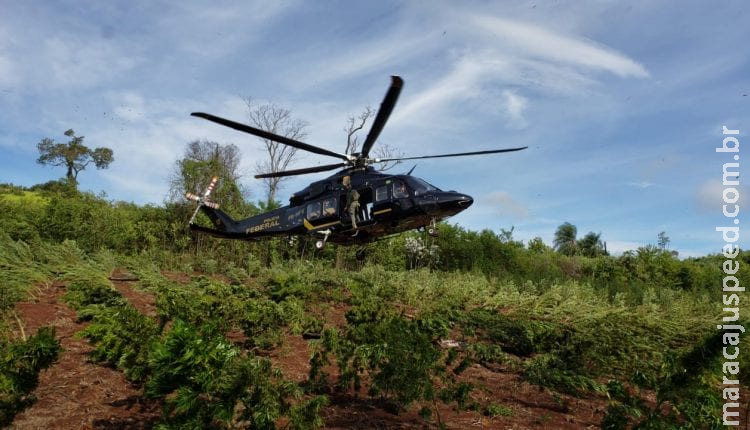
388 204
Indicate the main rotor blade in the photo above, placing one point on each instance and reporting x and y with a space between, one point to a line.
461 154
270 136
301 171
386 107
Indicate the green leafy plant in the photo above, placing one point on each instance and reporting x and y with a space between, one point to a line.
123 337
397 357
20 364
494 410
207 382
684 383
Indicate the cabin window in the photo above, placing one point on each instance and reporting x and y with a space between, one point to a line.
329 207
420 186
381 193
399 190
313 211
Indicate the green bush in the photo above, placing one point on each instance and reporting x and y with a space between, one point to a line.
206 382
553 371
88 290
123 337
494 410
202 300
20 364
399 357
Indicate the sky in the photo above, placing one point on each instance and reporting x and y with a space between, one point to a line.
622 104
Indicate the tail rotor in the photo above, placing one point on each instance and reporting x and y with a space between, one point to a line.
203 200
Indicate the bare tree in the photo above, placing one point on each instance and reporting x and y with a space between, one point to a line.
354 125
275 119
384 150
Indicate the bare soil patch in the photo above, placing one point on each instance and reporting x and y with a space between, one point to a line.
142 301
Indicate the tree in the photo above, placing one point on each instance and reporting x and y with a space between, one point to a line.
565 239
74 155
537 246
382 150
663 240
353 126
591 245
202 161
277 120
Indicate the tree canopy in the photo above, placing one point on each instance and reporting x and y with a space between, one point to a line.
203 160
74 155
565 239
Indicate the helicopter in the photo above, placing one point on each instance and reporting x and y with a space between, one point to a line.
388 204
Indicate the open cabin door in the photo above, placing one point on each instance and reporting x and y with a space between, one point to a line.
364 214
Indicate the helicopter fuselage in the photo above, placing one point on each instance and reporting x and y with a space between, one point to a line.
388 204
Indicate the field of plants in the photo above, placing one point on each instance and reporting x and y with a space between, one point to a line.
115 316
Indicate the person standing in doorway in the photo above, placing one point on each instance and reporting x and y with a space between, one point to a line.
352 202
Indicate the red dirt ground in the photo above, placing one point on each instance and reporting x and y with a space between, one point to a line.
77 394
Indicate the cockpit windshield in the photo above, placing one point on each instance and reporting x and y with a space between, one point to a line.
420 186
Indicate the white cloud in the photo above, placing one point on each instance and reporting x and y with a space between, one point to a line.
210 31
505 205
358 59
537 42
71 62
8 72
66 61
515 105
505 59
461 82
641 184
710 196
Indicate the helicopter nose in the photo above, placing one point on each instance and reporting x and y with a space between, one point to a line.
445 203
452 202
464 201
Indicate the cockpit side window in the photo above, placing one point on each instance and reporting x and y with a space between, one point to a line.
420 186
400 190
313 210
329 207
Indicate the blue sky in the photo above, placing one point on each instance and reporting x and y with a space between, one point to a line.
620 103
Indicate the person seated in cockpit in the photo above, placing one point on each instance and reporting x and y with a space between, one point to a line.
399 190
329 207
